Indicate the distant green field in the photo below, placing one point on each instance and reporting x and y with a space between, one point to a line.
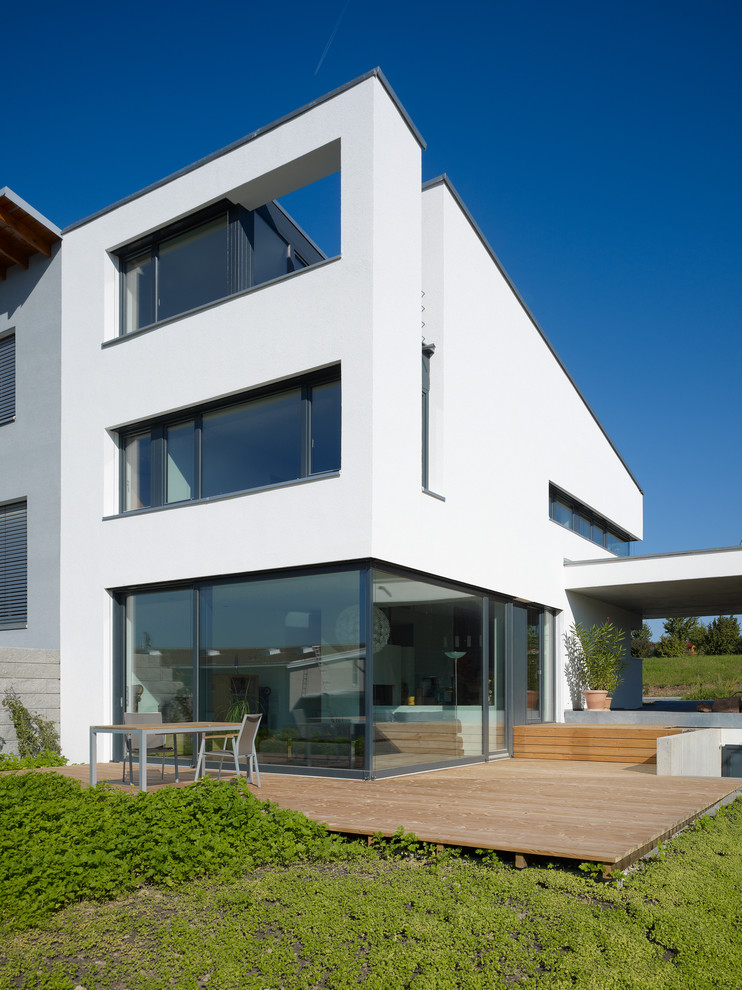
693 677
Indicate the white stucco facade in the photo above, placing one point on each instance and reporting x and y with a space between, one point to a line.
506 420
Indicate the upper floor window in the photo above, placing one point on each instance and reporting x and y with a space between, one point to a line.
7 378
207 257
13 566
572 514
268 437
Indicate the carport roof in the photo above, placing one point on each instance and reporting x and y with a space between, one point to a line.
658 586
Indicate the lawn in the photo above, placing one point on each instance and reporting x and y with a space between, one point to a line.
698 678
278 909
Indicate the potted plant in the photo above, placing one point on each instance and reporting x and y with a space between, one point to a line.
598 653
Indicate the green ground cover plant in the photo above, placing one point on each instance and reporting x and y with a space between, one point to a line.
61 843
698 678
47 758
426 924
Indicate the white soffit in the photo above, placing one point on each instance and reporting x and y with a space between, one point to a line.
698 582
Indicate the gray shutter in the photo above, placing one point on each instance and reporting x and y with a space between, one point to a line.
7 378
13 567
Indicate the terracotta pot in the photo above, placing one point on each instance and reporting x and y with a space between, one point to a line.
607 705
532 701
595 699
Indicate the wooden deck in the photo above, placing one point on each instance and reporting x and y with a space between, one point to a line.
609 813
612 743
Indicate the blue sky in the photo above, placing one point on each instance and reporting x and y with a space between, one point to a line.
598 147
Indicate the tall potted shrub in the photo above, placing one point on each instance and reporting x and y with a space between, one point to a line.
601 657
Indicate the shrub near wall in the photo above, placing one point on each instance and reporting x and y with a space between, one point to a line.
35 734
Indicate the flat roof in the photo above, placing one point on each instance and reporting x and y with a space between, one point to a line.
659 586
24 232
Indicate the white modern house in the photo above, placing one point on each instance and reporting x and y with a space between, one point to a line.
335 483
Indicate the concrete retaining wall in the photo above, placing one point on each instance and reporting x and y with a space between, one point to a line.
696 753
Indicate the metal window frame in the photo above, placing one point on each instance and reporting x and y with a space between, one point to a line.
596 521
301 252
157 429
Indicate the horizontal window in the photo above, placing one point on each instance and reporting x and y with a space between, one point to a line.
572 514
267 437
13 565
208 257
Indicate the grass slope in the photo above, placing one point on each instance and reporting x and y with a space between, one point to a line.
700 678
386 924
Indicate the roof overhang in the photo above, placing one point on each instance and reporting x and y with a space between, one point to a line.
659 586
23 232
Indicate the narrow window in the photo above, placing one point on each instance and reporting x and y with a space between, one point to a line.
13 566
325 428
427 352
181 462
139 291
138 471
192 268
7 378
568 512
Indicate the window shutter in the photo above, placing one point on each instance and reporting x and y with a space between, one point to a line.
13 566
7 378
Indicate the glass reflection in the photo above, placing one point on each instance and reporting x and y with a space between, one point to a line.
180 462
496 678
139 292
138 471
427 701
325 449
159 656
292 649
533 665
192 268
271 254
253 444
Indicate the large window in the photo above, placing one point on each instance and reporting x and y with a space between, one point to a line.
572 514
13 567
208 257
266 438
358 669
7 378
291 648
427 703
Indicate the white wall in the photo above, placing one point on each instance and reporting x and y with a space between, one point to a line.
696 753
353 311
506 420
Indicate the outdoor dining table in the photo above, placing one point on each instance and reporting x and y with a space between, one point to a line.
155 729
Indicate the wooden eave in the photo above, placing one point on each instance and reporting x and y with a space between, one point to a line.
22 234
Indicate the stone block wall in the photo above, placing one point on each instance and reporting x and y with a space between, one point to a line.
34 675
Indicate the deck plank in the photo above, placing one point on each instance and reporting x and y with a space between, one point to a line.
604 812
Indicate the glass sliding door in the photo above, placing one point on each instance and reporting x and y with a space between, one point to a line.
291 648
159 656
534 664
427 692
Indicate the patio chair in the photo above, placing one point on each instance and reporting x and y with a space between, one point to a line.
156 745
242 748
